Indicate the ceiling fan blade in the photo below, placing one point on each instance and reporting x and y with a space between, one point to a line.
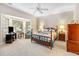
34 11
10 3
43 9
32 8
40 11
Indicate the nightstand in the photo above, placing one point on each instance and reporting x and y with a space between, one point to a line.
62 36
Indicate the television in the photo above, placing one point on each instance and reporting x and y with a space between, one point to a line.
10 29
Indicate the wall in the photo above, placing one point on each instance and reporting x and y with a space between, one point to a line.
0 30
4 22
63 17
14 12
76 12
4 9
34 24
56 19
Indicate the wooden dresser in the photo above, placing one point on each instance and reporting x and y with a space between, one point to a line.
73 38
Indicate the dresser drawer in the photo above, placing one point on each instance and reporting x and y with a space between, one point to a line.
73 46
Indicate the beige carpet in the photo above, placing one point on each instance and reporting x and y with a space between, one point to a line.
24 47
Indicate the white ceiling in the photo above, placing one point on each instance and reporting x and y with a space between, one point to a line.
52 7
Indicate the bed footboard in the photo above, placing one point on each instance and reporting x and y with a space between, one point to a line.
43 40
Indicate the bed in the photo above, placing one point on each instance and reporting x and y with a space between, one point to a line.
46 39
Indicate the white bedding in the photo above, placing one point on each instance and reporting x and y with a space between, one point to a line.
47 35
54 35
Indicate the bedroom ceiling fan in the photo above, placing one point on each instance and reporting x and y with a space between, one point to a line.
39 9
